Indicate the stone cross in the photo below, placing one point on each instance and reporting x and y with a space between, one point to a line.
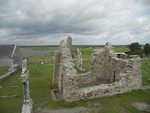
24 65
27 104
80 63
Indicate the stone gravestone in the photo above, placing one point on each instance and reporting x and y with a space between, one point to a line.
28 103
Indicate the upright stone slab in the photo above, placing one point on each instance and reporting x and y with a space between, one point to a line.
42 59
79 60
28 103
69 41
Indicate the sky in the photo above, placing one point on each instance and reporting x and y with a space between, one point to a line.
88 22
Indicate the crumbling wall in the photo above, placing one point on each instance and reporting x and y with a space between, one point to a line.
108 75
126 81
105 66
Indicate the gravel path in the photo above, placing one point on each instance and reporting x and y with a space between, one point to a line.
64 110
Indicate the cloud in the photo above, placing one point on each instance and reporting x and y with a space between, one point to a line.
88 22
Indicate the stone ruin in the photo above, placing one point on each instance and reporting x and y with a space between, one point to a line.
28 103
108 75
69 42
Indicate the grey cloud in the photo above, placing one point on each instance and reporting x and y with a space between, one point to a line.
96 20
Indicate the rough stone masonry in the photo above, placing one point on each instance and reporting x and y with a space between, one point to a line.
108 75
28 103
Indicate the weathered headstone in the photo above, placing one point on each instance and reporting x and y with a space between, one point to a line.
42 59
141 106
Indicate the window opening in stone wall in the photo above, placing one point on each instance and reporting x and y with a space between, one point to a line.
61 84
114 75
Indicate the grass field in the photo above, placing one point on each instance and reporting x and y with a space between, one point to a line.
41 84
45 57
145 72
41 48
3 70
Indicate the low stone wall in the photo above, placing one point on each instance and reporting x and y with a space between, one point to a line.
6 61
3 77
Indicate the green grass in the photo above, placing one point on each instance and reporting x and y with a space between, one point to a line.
41 84
86 66
145 72
3 70
41 48
122 103
86 52
11 105
121 49
45 57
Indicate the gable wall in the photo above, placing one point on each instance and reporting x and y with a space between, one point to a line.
6 62
18 56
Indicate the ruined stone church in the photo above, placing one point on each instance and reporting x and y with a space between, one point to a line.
10 54
108 75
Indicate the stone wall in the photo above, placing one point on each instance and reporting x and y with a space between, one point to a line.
15 58
6 61
18 56
56 67
108 75
127 81
8 74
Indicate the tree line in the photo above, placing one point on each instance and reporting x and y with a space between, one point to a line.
136 49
